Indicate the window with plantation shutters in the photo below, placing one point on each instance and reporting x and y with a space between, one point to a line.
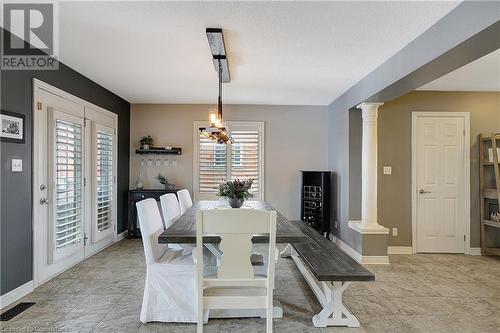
217 163
212 166
68 184
245 156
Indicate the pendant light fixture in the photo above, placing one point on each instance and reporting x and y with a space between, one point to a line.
217 131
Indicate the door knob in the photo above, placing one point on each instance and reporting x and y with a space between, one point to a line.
44 201
42 187
423 192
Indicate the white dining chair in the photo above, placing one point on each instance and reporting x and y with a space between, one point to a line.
170 208
235 285
169 292
185 201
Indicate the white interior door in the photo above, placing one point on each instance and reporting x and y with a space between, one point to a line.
440 183
58 197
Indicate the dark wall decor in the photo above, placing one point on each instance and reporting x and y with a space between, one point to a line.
16 187
12 127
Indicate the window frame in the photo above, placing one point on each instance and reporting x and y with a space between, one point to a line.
231 125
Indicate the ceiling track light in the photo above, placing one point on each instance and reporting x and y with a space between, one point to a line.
217 131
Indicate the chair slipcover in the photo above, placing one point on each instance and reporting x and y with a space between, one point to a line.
169 293
185 201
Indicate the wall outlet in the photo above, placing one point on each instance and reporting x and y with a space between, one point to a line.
17 165
394 231
387 170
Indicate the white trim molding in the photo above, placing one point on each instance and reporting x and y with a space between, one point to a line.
364 260
399 250
475 251
16 294
467 149
121 236
368 229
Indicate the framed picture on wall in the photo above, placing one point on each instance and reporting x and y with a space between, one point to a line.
11 127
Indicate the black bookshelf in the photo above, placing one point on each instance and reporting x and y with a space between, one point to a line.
315 200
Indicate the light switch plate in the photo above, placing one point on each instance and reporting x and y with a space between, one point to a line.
387 170
17 165
174 162
394 231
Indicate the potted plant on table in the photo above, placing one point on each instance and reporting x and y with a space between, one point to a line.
236 191
146 142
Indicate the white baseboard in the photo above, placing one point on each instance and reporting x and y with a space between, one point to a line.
16 294
366 260
121 236
399 250
475 251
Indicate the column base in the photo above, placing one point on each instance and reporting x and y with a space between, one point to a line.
368 229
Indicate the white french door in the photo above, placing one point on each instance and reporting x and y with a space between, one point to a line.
74 180
440 182
101 180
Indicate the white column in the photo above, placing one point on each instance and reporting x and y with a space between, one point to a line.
369 223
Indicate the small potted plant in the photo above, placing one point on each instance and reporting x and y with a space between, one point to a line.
236 192
146 142
163 180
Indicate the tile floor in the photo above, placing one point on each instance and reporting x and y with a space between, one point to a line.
416 293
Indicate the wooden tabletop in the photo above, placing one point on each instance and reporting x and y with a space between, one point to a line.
183 230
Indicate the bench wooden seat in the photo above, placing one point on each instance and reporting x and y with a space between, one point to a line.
328 270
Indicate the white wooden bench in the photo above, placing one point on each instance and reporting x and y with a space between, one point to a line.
328 270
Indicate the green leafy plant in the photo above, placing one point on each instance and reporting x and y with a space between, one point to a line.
146 140
162 179
236 189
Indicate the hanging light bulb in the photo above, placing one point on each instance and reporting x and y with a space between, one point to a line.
217 131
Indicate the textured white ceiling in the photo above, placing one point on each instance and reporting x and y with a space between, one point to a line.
480 75
279 52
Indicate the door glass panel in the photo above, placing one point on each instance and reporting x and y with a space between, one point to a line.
104 180
68 206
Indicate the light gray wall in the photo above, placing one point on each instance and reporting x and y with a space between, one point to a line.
296 138
355 145
394 149
338 161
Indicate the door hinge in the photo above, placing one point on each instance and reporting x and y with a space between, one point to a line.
114 227
84 122
84 182
85 239
465 238
39 106
114 130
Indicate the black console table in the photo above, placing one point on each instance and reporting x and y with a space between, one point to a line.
136 196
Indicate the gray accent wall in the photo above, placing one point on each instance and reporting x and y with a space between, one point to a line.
16 188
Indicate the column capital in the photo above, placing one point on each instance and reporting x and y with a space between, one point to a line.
369 105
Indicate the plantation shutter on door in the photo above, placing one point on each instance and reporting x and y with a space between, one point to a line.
103 182
68 185
212 165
